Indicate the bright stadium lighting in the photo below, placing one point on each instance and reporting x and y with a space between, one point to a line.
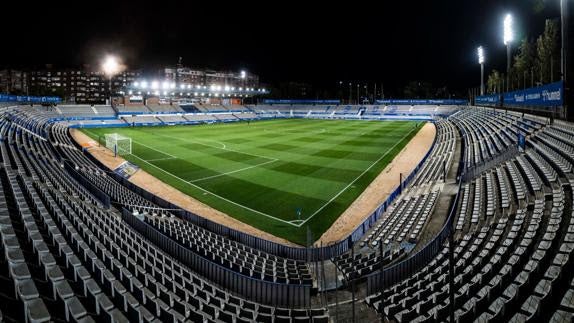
165 85
172 85
227 88
243 74
198 86
111 66
481 59
212 87
508 32
182 86
144 84
154 85
130 92
508 38
136 84
233 88
480 52
189 86
240 89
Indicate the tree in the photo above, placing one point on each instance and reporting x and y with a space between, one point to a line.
494 82
547 61
524 62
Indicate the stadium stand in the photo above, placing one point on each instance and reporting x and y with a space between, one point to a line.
76 244
126 109
93 266
165 108
513 248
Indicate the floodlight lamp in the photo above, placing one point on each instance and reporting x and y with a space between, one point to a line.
110 66
480 52
508 32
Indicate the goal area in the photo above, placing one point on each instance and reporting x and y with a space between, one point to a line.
120 145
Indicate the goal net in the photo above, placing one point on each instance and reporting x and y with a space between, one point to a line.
119 144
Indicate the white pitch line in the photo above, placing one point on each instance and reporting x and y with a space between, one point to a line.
233 171
363 173
224 148
158 159
218 196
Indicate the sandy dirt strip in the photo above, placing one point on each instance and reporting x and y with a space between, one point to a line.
360 209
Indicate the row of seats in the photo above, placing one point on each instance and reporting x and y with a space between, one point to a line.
243 259
113 273
509 266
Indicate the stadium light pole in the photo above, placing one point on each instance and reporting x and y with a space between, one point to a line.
110 67
242 75
350 92
480 52
508 38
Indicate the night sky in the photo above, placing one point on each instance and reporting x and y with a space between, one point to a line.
383 41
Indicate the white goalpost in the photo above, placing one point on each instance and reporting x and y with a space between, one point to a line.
120 145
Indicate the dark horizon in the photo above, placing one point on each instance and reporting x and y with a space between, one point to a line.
390 43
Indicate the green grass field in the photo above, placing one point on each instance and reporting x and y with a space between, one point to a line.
265 172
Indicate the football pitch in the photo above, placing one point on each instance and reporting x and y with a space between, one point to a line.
286 176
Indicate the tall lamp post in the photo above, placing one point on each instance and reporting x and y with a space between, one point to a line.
564 37
508 38
350 92
564 53
110 67
480 52
243 75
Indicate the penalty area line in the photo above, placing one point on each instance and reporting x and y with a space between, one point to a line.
216 195
357 178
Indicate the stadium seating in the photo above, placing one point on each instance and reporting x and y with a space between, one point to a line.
127 109
67 260
66 256
514 225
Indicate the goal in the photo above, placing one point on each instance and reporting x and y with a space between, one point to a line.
120 145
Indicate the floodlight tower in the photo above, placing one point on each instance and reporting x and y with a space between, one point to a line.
480 52
508 38
242 75
110 67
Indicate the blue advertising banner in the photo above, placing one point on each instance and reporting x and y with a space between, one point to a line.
126 169
549 95
489 100
270 101
422 102
29 99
